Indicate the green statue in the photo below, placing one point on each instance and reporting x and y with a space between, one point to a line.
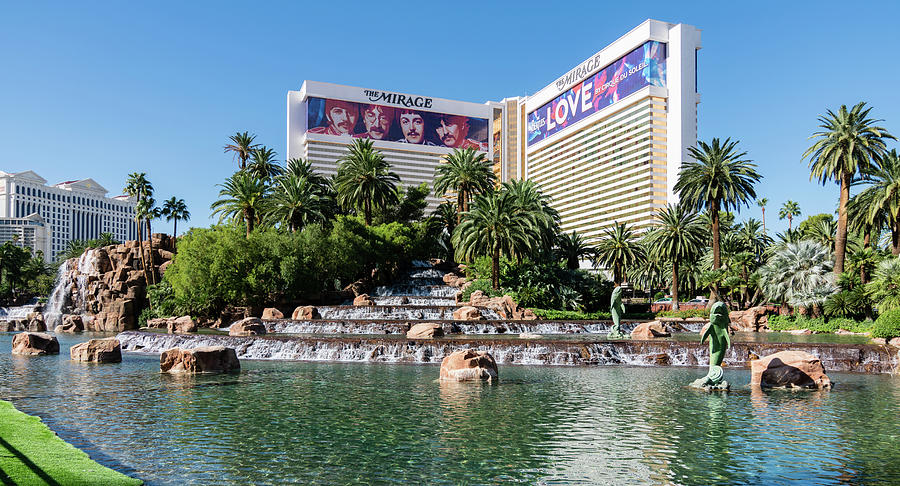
719 342
617 310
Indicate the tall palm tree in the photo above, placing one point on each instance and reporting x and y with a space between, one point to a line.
537 205
823 231
677 235
571 247
138 187
174 210
365 180
303 168
241 144
847 145
752 239
619 250
762 202
788 210
495 226
718 179
465 172
263 165
147 210
881 200
296 202
242 198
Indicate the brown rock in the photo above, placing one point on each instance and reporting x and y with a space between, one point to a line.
789 369
211 359
363 299
450 279
70 323
660 359
469 365
425 330
34 344
305 313
163 267
895 342
270 313
158 323
467 313
166 255
36 322
528 315
97 351
250 326
650 330
181 325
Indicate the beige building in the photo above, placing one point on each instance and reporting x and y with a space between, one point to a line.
27 232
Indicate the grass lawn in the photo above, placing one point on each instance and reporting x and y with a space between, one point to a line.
31 453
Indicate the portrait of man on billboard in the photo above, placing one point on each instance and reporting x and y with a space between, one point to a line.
341 117
452 131
412 125
378 120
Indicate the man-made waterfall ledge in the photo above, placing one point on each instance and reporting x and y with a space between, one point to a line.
400 326
836 357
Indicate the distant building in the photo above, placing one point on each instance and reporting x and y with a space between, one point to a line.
28 232
74 210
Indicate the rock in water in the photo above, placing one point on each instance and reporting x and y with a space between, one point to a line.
34 344
467 313
650 330
97 351
181 325
425 330
270 313
250 326
789 369
70 323
363 299
305 313
209 359
469 365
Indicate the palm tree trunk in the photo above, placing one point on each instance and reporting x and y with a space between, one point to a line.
840 240
150 251
714 217
895 238
459 206
495 269
675 284
175 236
250 218
790 221
764 219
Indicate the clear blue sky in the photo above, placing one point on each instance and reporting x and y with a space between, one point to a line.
102 89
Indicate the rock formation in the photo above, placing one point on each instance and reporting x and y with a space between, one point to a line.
467 313
36 322
425 330
363 299
271 313
789 369
211 359
97 351
753 319
251 326
70 323
305 313
34 344
504 306
650 330
469 365
181 325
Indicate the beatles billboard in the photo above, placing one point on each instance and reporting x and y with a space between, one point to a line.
644 66
406 123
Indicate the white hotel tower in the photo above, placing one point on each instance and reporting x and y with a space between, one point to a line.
74 210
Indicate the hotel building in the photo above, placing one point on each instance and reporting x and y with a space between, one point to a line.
73 210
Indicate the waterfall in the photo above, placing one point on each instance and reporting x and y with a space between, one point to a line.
71 273
408 312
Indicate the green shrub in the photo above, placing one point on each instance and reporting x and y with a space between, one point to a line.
570 315
484 285
684 313
887 326
790 323
851 325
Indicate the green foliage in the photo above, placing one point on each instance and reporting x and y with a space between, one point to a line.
408 206
684 313
884 289
571 315
22 275
484 285
819 325
887 326
75 248
847 303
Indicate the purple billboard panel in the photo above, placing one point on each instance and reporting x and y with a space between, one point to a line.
395 124
644 66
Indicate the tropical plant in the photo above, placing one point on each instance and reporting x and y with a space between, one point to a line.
537 206
174 210
445 217
571 248
862 262
364 180
619 250
302 168
263 165
295 202
799 275
887 326
677 235
467 173
762 202
146 209
242 198
880 202
241 145
847 145
495 226
822 231
751 237
788 210
138 187
884 289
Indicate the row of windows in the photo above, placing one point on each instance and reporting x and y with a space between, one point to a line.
64 198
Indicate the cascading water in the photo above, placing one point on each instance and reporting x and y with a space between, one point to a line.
62 299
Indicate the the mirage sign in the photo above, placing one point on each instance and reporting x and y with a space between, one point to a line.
644 66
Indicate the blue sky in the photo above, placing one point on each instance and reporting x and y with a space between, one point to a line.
102 89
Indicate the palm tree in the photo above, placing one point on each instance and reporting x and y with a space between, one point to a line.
445 217
762 205
364 180
822 231
302 168
880 202
263 165
467 173
495 226
752 239
174 210
847 145
789 210
146 209
138 187
241 144
799 275
571 247
677 235
296 202
619 250
243 198
537 206
719 179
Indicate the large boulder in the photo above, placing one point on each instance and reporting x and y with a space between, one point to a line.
789 369
250 326
469 365
181 325
97 351
210 359
750 320
36 322
450 279
467 313
34 344
305 313
650 330
425 330
70 323
363 299
504 306
270 313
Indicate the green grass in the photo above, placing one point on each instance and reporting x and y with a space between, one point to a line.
31 453
684 313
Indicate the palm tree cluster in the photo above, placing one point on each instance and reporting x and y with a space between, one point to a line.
139 187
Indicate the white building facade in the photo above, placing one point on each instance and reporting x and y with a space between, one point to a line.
73 210
28 232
